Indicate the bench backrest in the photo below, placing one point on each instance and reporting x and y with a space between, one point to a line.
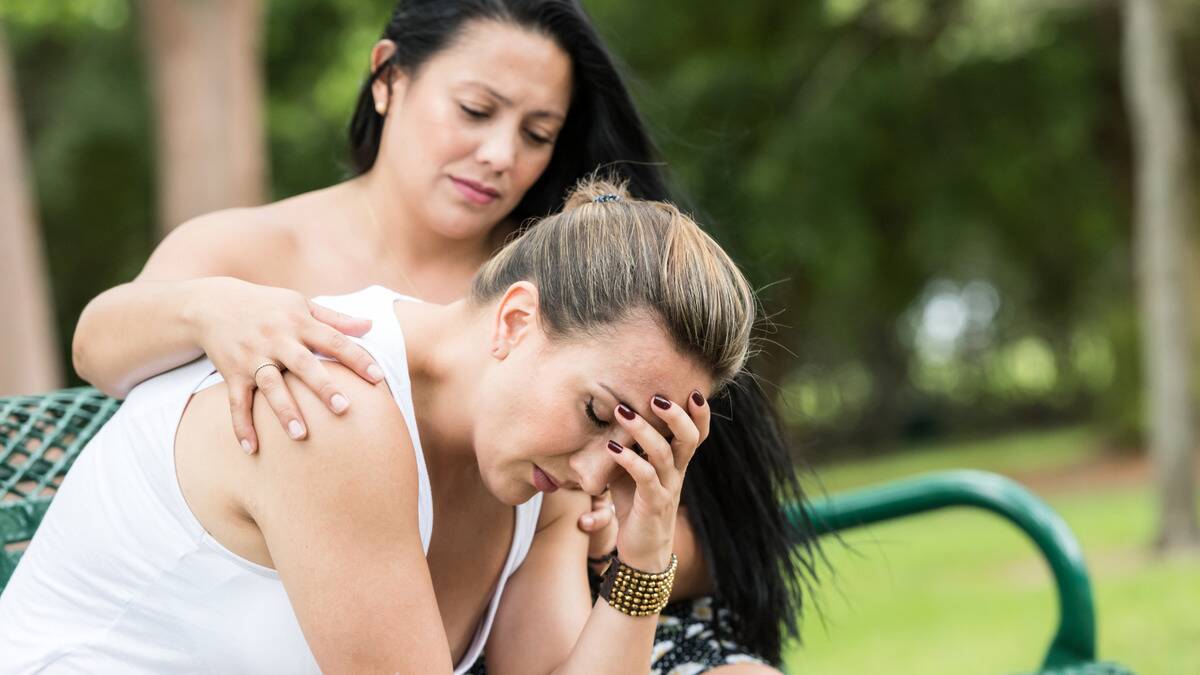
41 436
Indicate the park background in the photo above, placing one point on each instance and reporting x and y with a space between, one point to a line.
943 202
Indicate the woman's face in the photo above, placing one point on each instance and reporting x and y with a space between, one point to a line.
473 128
548 404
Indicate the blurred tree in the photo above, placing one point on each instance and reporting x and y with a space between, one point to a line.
856 154
80 71
204 56
1162 220
934 195
29 362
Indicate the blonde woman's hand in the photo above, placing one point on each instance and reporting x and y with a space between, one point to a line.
254 333
647 497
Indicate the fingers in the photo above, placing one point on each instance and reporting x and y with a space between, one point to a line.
701 414
344 323
601 527
644 475
656 448
347 352
241 400
310 371
597 520
689 427
270 383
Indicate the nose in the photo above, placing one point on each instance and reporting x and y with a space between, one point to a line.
498 149
594 466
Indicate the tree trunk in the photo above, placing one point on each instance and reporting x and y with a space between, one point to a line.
28 359
1162 217
204 58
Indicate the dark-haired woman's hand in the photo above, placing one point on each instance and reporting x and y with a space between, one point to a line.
600 524
253 333
647 498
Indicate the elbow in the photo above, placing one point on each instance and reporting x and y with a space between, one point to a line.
80 358
84 362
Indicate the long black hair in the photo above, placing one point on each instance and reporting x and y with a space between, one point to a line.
740 481
602 122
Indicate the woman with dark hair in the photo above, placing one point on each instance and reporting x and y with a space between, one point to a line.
477 115
583 357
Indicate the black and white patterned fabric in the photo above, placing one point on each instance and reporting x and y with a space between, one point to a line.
692 637
689 640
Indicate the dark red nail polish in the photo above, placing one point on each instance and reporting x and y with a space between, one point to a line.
615 447
697 398
661 402
626 411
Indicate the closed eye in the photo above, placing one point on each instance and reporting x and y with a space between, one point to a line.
539 139
591 413
473 113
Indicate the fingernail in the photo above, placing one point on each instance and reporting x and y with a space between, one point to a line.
697 398
615 446
587 521
374 372
295 429
339 403
625 411
246 446
661 402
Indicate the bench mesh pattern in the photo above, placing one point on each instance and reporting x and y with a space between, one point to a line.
40 437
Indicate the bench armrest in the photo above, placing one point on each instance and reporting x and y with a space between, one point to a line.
1074 642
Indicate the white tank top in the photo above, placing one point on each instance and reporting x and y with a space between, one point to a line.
122 578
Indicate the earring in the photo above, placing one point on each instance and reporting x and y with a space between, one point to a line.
380 108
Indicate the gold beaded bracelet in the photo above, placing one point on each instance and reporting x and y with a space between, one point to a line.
634 592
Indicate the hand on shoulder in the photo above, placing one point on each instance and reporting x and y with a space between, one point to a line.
338 513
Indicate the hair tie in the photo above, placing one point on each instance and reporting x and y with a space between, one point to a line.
606 197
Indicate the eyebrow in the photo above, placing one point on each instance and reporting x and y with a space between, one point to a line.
620 400
508 102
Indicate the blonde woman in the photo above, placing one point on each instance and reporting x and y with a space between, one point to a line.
477 115
583 357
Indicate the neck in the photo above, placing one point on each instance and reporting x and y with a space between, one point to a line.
436 338
417 246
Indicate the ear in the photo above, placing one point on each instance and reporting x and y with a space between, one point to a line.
516 320
384 88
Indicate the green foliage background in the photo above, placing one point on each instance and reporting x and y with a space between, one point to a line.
864 161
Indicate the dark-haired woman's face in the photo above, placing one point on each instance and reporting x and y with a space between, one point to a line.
473 128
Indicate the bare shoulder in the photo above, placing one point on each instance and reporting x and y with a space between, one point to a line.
363 454
338 515
251 243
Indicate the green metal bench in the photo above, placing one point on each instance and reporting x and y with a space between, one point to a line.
1072 651
42 435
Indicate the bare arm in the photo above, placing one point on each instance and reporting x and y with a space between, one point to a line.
147 326
546 617
544 625
339 517
195 296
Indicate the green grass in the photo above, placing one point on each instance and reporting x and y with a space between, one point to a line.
964 592
1015 454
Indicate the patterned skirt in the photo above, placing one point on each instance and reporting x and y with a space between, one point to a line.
691 638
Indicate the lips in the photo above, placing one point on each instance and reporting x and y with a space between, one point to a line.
542 481
475 192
